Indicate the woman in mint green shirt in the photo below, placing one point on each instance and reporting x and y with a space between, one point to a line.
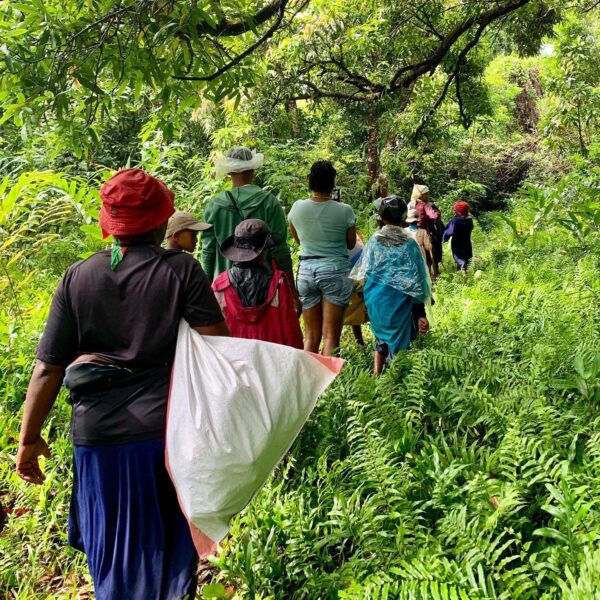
325 230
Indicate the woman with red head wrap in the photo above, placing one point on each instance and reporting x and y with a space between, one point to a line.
110 338
459 229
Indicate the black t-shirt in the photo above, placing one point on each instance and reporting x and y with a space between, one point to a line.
130 318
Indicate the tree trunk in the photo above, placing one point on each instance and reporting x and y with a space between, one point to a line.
382 187
526 103
292 112
372 151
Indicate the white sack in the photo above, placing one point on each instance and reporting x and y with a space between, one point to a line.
235 408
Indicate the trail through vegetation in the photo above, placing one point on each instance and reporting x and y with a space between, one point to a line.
471 468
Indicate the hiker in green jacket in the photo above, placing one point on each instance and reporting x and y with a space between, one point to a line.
244 201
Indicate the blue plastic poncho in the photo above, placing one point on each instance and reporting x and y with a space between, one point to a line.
395 277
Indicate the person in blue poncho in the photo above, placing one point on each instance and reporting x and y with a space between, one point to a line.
396 283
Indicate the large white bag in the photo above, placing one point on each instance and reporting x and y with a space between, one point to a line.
235 407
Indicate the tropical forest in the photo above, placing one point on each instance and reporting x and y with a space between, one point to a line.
468 466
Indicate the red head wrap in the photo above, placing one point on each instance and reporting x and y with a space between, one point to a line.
462 208
134 203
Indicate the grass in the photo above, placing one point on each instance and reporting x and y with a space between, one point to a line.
471 469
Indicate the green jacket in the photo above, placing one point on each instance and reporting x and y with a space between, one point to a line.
253 203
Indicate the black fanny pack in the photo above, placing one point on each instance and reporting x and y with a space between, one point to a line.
312 257
87 376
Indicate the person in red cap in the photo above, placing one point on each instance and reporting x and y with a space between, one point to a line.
110 338
459 229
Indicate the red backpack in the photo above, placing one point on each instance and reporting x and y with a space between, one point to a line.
274 321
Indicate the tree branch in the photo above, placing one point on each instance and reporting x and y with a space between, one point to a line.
413 72
405 77
591 7
240 57
229 29
455 75
318 94
419 130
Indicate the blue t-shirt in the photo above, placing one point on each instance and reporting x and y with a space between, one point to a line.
322 227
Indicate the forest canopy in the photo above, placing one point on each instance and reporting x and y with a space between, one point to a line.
83 61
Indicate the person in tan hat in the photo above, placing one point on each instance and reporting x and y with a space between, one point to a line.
419 235
430 220
182 231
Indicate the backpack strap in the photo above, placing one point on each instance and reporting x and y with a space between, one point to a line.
235 205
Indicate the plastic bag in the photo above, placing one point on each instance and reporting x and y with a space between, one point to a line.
238 160
235 407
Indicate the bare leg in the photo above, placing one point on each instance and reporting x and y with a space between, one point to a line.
313 327
379 361
333 319
358 336
431 265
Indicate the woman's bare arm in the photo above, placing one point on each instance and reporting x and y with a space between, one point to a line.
351 238
218 329
294 233
43 389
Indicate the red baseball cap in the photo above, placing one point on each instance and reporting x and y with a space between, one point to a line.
134 203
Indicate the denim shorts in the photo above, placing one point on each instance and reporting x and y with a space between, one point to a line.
323 279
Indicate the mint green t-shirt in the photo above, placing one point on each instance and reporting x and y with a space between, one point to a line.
322 227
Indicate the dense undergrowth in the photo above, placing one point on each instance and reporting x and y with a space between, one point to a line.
469 470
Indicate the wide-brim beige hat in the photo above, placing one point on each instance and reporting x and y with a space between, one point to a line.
180 221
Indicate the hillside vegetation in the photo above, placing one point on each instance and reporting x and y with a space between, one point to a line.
471 468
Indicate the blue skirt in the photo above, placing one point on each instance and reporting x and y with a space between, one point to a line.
462 262
390 315
126 518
